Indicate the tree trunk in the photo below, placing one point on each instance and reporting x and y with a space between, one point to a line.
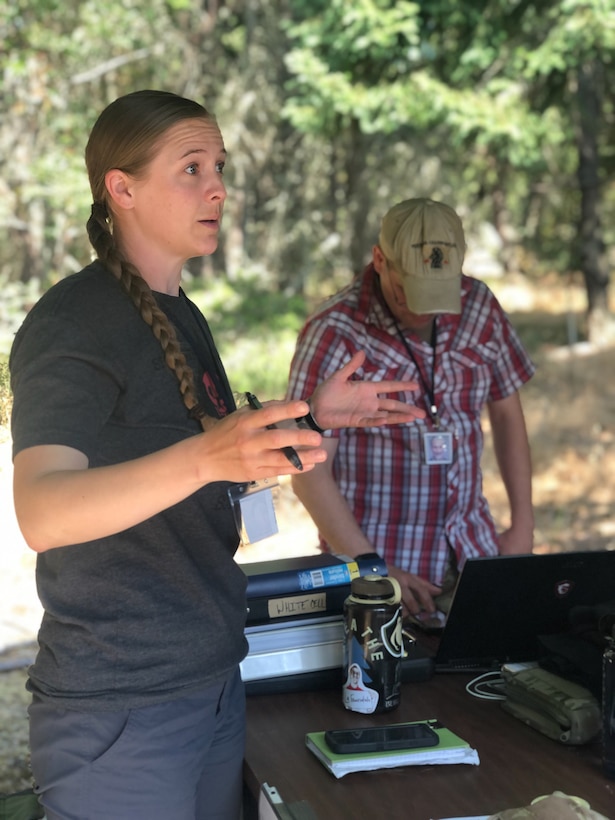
503 224
357 197
592 249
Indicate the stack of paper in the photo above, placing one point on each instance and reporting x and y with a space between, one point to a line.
451 749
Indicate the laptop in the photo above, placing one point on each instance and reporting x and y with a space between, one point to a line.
502 605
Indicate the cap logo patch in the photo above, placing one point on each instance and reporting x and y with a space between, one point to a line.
437 258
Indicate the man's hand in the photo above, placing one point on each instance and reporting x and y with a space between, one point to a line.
344 402
417 594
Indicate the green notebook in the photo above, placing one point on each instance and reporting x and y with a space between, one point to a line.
451 749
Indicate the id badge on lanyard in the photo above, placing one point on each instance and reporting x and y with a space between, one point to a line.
437 444
438 447
254 509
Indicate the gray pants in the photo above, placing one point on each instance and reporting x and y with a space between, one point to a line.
180 760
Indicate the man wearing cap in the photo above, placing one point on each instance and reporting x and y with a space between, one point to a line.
413 493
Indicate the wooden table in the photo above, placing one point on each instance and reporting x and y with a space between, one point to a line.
517 762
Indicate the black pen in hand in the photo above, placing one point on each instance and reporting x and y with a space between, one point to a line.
290 452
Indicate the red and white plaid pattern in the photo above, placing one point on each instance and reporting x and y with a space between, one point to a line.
411 511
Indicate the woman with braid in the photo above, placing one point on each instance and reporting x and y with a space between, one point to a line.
126 440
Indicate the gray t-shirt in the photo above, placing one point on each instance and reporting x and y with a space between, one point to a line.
157 610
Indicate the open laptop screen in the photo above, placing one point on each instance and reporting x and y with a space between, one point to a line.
503 604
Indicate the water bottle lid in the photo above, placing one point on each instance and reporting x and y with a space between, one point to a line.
375 588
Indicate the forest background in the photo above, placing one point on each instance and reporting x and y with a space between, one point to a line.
332 111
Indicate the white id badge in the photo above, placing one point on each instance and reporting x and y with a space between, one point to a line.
438 447
254 511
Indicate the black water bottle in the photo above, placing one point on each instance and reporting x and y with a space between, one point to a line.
608 707
373 645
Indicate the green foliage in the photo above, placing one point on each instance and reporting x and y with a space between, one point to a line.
62 62
331 110
575 31
387 64
255 328
6 399
344 57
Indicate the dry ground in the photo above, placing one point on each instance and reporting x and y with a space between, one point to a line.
570 411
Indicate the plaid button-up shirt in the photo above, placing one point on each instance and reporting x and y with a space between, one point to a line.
409 510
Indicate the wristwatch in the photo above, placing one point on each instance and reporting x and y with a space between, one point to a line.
309 421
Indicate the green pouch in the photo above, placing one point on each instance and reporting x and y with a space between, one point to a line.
20 806
559 708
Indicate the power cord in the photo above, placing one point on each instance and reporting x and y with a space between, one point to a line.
489 686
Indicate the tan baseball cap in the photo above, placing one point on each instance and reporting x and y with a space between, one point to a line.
424 241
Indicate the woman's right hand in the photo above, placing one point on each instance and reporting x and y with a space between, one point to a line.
243 447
